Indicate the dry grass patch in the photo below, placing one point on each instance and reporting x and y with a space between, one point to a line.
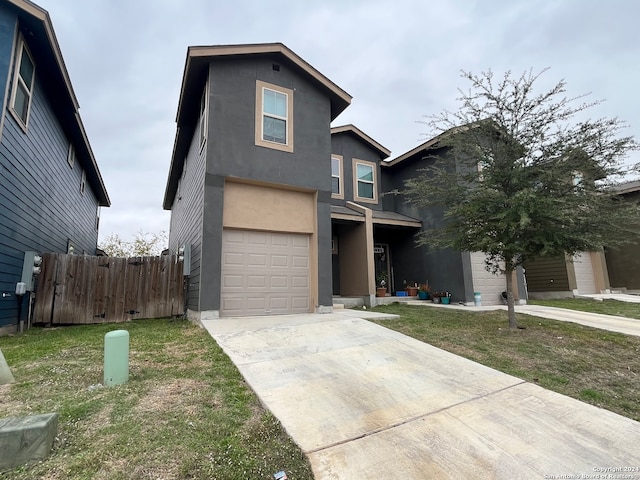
185 412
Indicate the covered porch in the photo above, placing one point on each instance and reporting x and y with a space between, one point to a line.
367 247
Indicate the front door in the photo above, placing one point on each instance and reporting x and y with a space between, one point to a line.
381 261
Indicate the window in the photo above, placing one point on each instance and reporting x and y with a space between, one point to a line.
274 113
71 156
83 182
203 115
98 218
365 181
336 177
23 81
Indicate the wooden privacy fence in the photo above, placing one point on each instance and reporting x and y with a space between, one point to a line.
78 289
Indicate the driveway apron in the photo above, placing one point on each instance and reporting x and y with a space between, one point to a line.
365 402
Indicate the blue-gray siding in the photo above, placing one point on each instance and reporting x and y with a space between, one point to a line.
41 207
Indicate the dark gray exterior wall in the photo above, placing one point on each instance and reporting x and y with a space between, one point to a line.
444 269
623 262
231 152
41 207
349 147
187 215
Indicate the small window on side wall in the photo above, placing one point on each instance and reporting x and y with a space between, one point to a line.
274 117
203 115
337 189
364 178
71 156
83 182
23 84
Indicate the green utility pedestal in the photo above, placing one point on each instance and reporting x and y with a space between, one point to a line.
116 358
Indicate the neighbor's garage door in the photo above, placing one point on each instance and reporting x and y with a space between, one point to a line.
585 281
264 273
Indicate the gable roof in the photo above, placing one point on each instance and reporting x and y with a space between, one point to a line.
627 187
195 70
428 145
383 151
43 44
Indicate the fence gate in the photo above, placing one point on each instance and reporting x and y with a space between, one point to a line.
78 289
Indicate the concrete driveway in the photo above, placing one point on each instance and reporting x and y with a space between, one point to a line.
365 402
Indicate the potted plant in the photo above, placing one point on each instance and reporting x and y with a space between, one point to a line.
381 289
441 297
412 289
445 298
424 291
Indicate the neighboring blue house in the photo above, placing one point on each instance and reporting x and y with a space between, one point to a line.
51 189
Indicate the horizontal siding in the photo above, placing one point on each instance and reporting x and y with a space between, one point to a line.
187 215
547 275
41 206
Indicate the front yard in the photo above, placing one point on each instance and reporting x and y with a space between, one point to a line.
185 413
595 366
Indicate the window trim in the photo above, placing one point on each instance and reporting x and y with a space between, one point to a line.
83 182
17 80
71 155
203 119
340 178
374 167
259 139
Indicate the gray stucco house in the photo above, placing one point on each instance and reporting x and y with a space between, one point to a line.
249 185
281 212
51 190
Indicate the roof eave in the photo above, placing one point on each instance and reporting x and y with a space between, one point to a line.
383 151
42 16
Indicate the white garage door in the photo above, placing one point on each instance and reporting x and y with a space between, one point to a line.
585 281
264 273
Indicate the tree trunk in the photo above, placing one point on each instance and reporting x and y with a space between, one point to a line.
511 308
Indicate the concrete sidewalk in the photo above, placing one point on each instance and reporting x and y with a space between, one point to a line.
366 402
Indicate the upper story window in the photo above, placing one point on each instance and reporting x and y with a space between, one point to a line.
365 187
83 182
203 115
23 82
71 156
337 190
274 116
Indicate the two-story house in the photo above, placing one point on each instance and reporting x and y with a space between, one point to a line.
51 189
279 212
374 227
249 185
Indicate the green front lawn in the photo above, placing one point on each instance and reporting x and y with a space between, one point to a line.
607 307
596 366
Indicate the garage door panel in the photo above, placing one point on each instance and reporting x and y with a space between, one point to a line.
233 281
231 258
257 281
300 281
279 261
279 281
264 273
280 239
257 238
257 260
300 303
299 261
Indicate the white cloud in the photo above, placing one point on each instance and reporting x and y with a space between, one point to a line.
400 60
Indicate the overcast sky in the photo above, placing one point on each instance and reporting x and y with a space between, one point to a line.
399 59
